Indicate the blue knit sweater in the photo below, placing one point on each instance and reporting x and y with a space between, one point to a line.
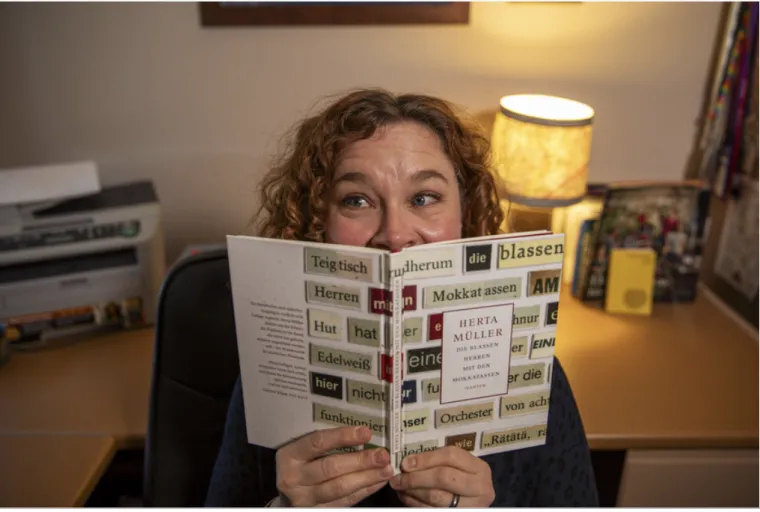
556 474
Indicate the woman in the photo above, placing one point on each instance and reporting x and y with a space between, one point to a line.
385 171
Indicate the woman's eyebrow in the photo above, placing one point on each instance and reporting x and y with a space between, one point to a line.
429 174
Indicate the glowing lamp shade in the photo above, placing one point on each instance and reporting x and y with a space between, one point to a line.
541 147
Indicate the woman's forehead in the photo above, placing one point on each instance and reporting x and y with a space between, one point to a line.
403 136
408 150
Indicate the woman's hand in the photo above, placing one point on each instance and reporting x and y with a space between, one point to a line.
430 479
308 478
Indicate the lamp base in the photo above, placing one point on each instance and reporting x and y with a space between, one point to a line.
520 218
544 203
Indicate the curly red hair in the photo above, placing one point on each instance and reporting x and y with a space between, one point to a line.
292 201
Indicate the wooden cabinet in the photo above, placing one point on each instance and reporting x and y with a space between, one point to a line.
690 478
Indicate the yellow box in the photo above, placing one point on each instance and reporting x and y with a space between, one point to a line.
630 281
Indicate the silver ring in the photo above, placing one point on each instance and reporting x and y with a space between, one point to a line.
454 501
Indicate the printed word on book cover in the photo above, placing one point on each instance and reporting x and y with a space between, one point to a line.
442 344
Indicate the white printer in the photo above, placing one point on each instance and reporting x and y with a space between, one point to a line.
85 263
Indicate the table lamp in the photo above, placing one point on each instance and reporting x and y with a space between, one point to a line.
541 147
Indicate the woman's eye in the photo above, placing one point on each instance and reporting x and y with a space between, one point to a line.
354 202
424 199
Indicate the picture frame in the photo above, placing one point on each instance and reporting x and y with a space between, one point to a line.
242 14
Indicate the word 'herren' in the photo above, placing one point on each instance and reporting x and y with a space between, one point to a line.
323 292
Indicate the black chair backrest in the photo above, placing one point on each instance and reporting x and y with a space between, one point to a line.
195 367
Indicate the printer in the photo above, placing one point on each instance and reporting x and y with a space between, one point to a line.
91 261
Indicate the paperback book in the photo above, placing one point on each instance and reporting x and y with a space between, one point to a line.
441 344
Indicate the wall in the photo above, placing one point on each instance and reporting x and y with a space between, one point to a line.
147 93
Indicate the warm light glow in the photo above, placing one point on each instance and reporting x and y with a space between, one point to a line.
549 108
541 147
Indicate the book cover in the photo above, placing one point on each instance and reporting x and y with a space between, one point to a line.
667 217
441 344
630 281
570 220
582 255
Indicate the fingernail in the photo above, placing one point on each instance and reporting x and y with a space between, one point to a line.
395 481
388 470
381 457
410 462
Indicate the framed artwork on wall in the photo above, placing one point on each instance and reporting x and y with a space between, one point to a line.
240 14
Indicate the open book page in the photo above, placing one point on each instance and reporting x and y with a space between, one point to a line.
479 328
310 322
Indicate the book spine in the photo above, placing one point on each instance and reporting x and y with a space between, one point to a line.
588 259
396 352
581 259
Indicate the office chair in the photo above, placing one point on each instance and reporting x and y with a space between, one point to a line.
195 367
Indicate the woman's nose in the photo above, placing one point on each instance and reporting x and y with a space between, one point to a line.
396 232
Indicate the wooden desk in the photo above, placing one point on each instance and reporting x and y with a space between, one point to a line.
96 386
684 378
31 476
